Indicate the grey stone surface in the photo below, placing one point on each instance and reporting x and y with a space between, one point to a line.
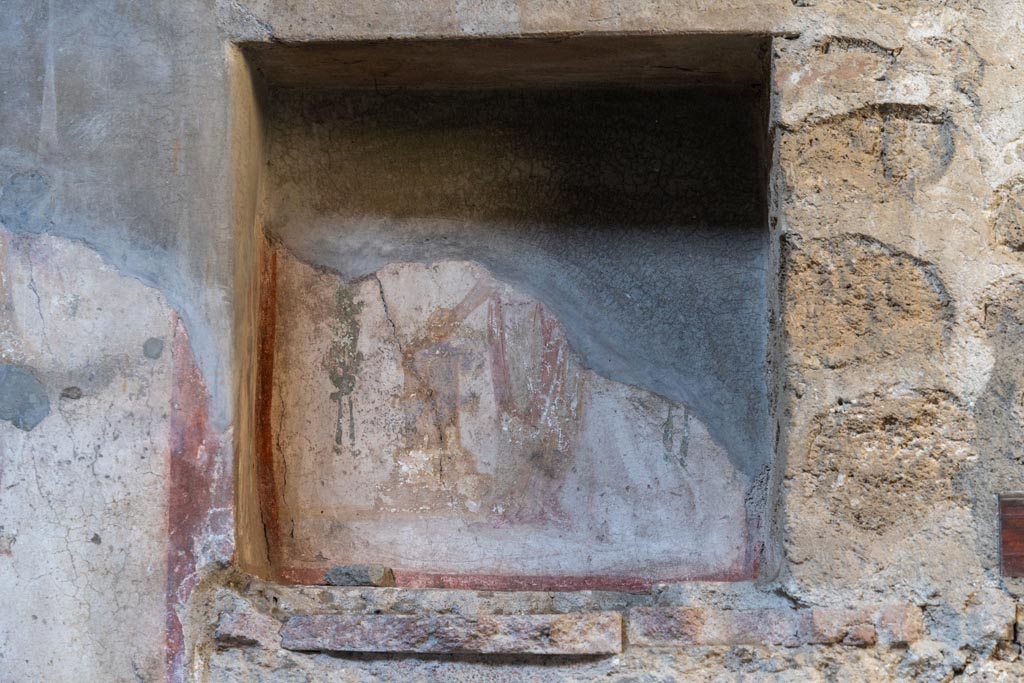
360 575
245 628
594 633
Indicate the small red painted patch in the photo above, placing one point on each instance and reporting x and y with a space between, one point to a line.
1011 534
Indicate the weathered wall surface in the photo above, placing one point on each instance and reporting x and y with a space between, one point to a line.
114 494
896 220
636 218
518 420
437 421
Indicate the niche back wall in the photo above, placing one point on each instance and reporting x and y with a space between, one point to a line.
519 332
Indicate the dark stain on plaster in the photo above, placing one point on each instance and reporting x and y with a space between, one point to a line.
668 439
73 393
7 540
23 399
25 202
832 43
153 348
344 359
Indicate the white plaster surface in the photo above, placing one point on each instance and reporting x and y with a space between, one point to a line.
82 495
473 441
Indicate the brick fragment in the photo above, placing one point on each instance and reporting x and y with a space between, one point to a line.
827 626
900 625
597 633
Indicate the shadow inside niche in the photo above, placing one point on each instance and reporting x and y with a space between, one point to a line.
637 216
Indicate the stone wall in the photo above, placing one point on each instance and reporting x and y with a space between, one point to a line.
897 135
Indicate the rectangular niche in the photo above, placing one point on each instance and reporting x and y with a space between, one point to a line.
512 319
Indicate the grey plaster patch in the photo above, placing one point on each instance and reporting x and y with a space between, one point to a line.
23 400
157 213
25 204
153 348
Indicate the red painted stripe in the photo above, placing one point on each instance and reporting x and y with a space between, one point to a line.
266 475
194 492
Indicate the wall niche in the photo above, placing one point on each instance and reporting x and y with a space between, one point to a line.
511 326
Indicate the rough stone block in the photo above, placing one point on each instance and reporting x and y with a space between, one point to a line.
887 150
861 635
1008 221
901 624
851 299
779 627
360 575
876 467
247 628
597 633
823 626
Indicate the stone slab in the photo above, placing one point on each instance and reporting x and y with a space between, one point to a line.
596 633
